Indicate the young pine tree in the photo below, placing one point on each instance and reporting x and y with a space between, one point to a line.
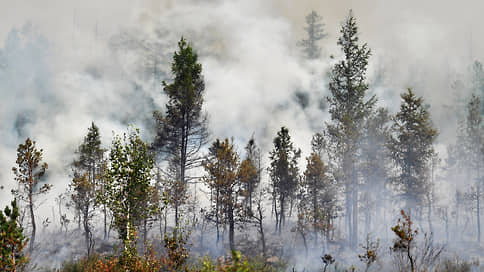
12 240
221 166
249 173
318 195
28 172
88 182
284 174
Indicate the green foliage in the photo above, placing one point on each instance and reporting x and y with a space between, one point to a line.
29 170
28 173
370 252
237 263
319 194
182 129
87 186
348 80
98 263
284 173
249 174
411 147
90 153
12 240
128 183
222 167
177 251
348 107
150 263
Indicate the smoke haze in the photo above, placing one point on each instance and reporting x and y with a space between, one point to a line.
66 63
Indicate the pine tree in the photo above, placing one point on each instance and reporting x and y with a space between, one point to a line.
128 185
474 158
87 185
318 196
284 174
182 130
348 109
222 166
411 147
83 196
12 240
28 173
249 173
315 32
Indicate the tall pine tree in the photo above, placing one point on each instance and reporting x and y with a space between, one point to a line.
182 129
349 107
88 173
411 147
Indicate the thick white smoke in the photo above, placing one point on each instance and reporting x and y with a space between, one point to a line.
65 63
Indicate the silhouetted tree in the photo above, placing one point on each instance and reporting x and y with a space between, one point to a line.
315 31
284 173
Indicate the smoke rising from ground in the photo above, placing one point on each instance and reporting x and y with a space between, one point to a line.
64 64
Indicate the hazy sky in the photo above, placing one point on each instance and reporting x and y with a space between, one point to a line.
66 63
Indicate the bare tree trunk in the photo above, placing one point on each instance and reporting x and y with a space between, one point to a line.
217 219
348 217
281 215
274 210
32 218
261 230
231 229
105 222
87 231
355 209
145 234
